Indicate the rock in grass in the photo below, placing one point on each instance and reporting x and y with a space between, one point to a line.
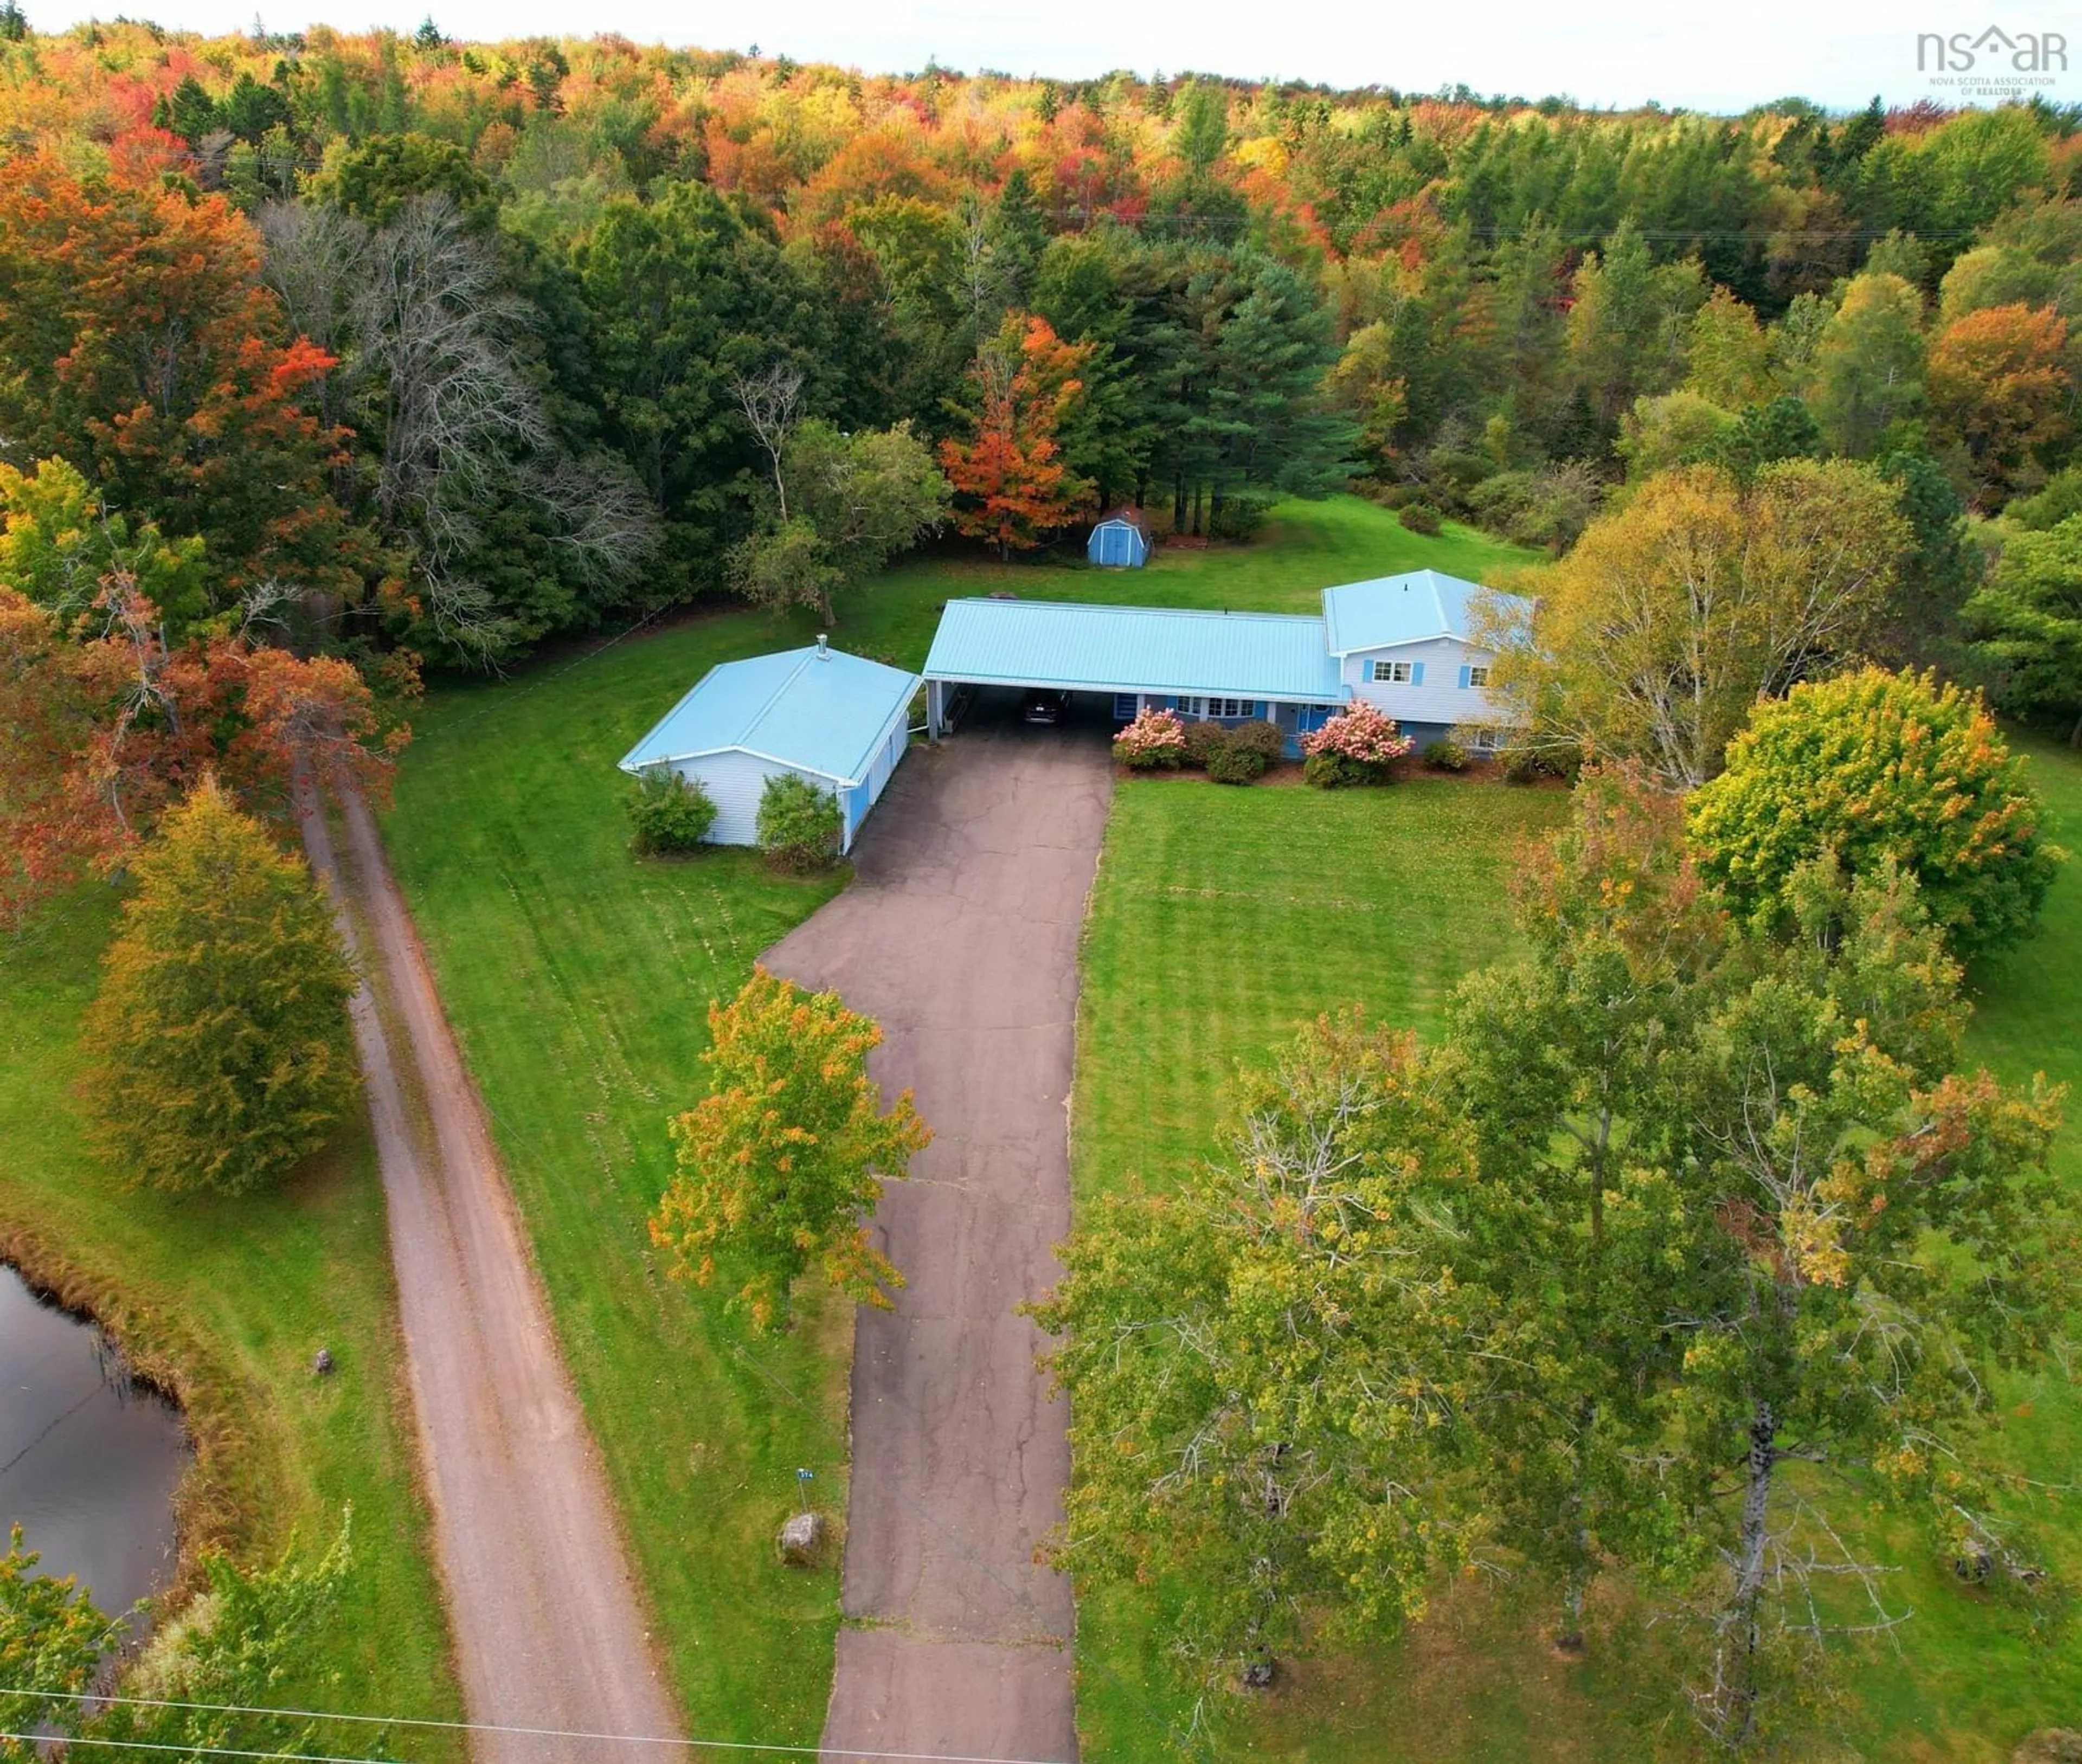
802 1538
2050 1746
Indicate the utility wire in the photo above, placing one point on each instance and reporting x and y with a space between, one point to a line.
768 1747
41 1739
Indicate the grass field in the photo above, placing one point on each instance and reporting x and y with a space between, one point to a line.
578 979
227 1300
1222 918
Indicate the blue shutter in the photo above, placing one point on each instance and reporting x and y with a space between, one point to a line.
1464 677
1416 673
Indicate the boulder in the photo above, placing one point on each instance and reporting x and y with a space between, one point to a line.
801 1539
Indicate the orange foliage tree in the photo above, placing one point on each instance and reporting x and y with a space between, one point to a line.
1998 383
1011 486
100 731
138 341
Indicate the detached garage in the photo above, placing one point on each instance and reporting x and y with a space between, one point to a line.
840 721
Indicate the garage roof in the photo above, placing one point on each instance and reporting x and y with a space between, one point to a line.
1406 608
1063 644
815 709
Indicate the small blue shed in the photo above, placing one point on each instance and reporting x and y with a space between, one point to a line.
1121 541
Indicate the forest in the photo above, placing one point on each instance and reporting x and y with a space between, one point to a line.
457 348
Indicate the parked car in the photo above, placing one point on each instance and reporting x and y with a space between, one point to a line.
1043 707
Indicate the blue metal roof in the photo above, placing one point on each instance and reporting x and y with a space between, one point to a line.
1061 643
1404 608
817 710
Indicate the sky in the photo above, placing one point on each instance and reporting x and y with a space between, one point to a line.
1724 57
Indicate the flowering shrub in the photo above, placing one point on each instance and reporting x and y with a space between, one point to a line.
1360 733
1155 738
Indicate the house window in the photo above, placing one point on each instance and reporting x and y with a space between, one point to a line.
1485 741
1478 674
1188 706
1390 673
1232 707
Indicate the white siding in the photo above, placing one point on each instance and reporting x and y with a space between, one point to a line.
1441 699
735 782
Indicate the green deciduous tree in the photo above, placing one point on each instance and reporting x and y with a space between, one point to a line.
780 1164
2028 623
1868 365
218 1042
59 542
1253 1370
854 501
52 1641
1880 769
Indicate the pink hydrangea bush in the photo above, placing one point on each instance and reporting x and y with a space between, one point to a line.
1357 746
1155 738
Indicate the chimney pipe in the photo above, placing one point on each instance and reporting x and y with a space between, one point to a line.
824 648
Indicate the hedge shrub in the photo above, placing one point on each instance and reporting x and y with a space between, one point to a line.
1420 518
668 813
798 824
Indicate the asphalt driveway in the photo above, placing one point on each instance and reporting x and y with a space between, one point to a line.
960 936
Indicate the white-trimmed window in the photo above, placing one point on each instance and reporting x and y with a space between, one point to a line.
1478 673
1189 706
1232 707
1388 673
1484 741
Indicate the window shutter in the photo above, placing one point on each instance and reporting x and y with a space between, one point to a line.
1464 676
1416 673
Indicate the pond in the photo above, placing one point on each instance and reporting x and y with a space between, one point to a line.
89 1456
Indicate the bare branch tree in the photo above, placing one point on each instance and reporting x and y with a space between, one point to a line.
771 402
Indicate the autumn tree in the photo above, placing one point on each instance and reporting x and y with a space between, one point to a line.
2027 622
1881 769
138 341
1999 384
104 722
219 1045
780 1165
1674 614
1011 487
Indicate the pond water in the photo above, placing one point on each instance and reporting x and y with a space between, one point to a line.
89 1459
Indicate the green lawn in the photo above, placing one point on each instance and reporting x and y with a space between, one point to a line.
1222 919
228 1300
578 979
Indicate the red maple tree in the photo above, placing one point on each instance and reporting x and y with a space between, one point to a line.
1011 485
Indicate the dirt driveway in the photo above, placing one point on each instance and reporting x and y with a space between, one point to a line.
547 1619
960 936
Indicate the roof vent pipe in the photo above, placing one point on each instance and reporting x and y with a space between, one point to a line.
824 648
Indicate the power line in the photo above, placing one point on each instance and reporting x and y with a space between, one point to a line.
767 1746
69 1740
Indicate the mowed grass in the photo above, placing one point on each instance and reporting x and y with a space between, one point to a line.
577 980
1222 919
228 1300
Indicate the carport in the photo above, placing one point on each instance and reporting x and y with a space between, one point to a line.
1220 667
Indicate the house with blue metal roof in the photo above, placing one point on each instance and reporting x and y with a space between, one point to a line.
840 721
1411 644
